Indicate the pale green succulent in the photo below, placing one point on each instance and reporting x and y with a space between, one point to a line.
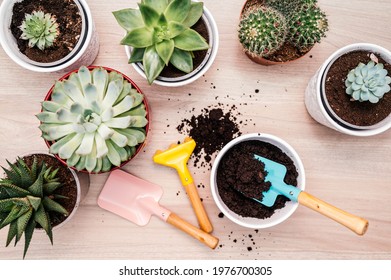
368 82
95 118
27 195
39 29
160 33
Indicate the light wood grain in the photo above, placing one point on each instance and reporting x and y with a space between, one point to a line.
350 173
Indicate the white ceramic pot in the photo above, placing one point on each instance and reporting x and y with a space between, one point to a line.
316 101
84 52
280 215
197 72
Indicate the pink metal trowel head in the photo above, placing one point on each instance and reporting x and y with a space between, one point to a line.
132 198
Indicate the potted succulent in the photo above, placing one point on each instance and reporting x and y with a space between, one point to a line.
170 42
94 119
38 193
48 35
235 164
278 31
351 90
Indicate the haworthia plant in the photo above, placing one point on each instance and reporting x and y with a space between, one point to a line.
160 33
27 195
39 29
95 118
368 82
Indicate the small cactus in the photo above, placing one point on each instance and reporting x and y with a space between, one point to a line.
307 27
368 82
39 29
262 31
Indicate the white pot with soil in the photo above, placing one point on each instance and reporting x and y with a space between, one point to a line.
177 65
235 167
328 102
65 40
45 196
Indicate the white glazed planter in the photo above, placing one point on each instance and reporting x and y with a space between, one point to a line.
280 215
84 52
197 72
316 102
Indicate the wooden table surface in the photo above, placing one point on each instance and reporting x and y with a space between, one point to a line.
349 172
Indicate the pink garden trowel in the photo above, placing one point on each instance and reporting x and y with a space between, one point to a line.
137 200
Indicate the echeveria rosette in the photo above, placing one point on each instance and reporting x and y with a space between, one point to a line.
160 33
95 119
27 195
39 29
368 82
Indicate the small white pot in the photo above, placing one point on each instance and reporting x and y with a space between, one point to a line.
280 215
197 72
316 101
84 52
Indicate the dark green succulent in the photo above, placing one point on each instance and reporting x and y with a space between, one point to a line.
27 195
160 33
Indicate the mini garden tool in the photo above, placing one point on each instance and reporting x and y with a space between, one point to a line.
275 175
137 200
176 156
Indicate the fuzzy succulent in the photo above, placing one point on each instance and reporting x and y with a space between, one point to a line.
262 31
368 82
39 29
160 33
307 27
95 118
27 195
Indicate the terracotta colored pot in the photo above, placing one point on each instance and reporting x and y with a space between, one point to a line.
259 59
147 127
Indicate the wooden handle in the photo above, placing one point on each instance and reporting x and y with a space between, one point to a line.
199 209
201 235
356 224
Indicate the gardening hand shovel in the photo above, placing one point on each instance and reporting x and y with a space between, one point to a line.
275 175
137 200
176 156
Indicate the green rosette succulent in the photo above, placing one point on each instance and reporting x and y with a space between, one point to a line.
95 119
27 195
39 29
160 33
262 31
368 82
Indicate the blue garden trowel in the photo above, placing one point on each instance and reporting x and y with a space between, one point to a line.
275 175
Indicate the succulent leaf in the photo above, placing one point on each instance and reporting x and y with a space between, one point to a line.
149 14
157 5
195 13
89 116
129 19
368 82
177 10
190 40
165 50
153 64
137 55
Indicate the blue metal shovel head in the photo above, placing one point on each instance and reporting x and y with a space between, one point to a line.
275 175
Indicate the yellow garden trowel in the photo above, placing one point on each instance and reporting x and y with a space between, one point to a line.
176 156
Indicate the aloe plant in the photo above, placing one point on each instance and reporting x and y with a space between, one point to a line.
39 29
160 33
95 118
27 195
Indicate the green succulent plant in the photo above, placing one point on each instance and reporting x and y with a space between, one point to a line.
39 29
368 82
27 195
300 23
262 31
160 33
95 118
307 27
